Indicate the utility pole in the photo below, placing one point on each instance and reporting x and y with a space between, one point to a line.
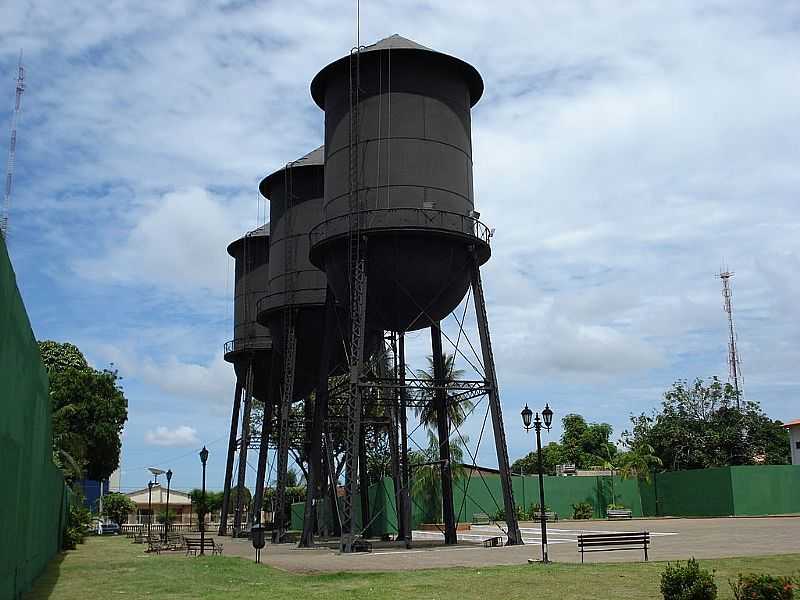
12 148
734 365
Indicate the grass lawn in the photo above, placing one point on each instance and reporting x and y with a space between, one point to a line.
107 568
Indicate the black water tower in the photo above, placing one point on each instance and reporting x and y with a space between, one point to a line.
413 180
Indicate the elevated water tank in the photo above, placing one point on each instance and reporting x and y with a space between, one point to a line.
251 340
413 181
295 193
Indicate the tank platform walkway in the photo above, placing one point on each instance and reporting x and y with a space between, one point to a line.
672 539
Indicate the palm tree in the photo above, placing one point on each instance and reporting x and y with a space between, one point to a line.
426 476
638 463
457 411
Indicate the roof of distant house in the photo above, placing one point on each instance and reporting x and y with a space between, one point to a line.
794 423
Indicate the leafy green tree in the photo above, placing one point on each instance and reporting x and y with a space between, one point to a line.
89 410
552 455
212 502
582 443
117 507
59 357
291 478
700 426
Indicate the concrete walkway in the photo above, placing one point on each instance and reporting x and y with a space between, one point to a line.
671 539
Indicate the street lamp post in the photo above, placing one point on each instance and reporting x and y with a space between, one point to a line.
149 506
166 516
547 415
203 459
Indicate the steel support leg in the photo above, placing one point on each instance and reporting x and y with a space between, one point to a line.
405 500
358 314
245 442
333 487
443 431
290 348
394 445
514 534
315 484
363 483
226 494
263 452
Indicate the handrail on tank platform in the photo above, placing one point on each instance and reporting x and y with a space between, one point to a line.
426 218
287 292
252 342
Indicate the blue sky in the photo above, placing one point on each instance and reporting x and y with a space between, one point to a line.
623 154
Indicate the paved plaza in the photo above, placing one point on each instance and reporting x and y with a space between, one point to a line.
671 539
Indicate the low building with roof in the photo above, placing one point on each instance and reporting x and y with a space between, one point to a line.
150 506
794 439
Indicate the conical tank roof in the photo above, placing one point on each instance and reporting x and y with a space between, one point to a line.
315 158
397 43
261 231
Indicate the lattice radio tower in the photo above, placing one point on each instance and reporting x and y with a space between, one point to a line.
734 365
12 148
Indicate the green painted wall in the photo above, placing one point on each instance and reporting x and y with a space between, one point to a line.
31 531
695 493
767 489
484 494
750 490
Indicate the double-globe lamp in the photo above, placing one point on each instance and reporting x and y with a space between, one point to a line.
536 423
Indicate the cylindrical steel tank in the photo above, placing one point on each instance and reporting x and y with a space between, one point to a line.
295 193
251 340
414 180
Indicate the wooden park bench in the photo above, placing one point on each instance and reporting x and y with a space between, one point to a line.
493 542
154 543
139 537
548 516
610 542
175 541
193 546
619 513
480 519
362 546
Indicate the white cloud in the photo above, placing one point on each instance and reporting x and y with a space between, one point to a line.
183 435
177 243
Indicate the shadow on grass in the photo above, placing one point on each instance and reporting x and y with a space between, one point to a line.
44 584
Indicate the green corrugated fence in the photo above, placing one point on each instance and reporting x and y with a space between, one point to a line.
33 497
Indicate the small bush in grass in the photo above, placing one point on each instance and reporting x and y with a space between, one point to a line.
756 586
582 510
688 582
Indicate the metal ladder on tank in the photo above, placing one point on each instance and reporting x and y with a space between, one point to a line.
358 292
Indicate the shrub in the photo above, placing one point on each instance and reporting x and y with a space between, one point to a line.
756 586
688 582
78 521
582 510
616 507
535 508
500 515
522 514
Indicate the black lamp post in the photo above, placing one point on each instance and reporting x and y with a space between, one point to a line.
149 506
547 416
166 516
203 459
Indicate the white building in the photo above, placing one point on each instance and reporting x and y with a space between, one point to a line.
794 439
